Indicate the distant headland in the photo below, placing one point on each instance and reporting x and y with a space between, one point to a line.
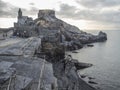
48 26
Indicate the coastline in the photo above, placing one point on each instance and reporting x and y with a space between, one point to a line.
69 77
66 72
49 37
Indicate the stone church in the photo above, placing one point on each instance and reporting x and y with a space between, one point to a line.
44 25
24 26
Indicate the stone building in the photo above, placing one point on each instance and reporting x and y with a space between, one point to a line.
24 26
43 26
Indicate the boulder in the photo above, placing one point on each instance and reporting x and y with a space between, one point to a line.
92 82
80 65
102 36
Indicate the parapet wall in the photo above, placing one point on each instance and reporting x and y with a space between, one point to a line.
46 13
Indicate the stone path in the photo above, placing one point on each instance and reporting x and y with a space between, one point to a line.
19 47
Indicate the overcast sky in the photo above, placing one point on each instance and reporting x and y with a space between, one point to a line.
86 14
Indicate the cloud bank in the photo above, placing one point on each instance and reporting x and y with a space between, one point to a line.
101 15
7 10
106 12
98 3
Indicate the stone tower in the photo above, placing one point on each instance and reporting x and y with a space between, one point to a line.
19 13
46 13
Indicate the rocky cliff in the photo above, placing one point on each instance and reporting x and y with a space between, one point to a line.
51 22
67 77
72 37
62 73
55 30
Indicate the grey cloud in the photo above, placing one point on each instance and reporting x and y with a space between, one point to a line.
8 10
98 3
67 7
33 10
67 11
32 3
2 4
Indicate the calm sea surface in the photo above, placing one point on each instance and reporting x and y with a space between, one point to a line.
106 60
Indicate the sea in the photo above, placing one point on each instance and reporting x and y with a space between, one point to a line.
105 57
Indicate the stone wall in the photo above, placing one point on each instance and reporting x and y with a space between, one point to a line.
25 30
46 13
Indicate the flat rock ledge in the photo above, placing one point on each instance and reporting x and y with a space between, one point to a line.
24 73
67 77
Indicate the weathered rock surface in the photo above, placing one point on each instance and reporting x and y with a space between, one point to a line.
55 30
68 78
20 47
27 73
102 36
74 38
5 71
80 65
92 82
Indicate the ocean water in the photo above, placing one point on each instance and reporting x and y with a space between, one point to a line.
105 57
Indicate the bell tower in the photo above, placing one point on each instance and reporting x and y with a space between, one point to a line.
19 13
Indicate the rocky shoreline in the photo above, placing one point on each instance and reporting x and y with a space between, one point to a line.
68 78
66 72
48 38
70 38
85 38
